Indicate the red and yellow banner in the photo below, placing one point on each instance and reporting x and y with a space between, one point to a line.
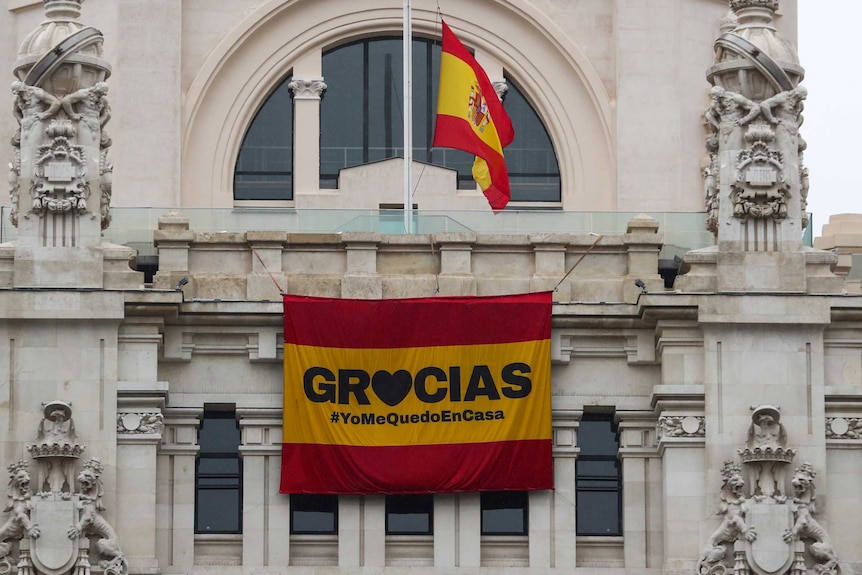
470 117
443 394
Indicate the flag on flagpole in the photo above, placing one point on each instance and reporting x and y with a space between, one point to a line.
470 117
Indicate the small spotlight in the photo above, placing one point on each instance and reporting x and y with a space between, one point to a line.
641 284
182 282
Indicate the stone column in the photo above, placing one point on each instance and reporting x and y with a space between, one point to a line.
172 239
681 432
374 531
640 479
361 279
643 243
470 534
266 269
265 513
306 103
445 529
565 434
550 253
350 531
456 272
140 424
175 489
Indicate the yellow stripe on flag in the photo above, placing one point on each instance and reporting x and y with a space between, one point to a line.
441 394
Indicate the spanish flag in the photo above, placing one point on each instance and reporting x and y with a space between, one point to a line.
470 117
425 395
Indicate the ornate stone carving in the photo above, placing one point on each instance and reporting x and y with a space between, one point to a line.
766 454
57 449
805 527
728 114
736 5
733 526
843 427
711 175
60 183
307 89
140 423
681 426
766 529
501 87
18 525
760 189
92 523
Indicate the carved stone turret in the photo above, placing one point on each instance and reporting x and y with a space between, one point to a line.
60 179
755 183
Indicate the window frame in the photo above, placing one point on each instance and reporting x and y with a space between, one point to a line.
487 498
233 481
410 504
614 484
324 501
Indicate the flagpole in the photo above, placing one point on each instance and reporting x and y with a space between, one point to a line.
407 73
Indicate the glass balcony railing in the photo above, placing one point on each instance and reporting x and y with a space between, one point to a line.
134 227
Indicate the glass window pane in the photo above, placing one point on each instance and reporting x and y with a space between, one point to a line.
606 469
534 174
313 513
597 437
409 514
218 511
218 466
598 513
264 167
504 513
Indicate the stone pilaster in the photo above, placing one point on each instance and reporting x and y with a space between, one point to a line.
456 272
565 437
175 489
361 279
306 104
641 481
266 513
140 425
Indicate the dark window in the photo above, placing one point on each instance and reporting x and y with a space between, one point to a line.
504 512
598 477
218 477
361 119
314 514
264 168
534 175
409 514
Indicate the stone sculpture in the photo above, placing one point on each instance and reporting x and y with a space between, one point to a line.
733 509
804 524
57 544
768 529
61 107
18 525
92 522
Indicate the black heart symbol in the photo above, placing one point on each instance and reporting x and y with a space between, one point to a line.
392 388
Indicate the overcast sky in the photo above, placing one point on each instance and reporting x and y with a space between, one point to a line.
828 50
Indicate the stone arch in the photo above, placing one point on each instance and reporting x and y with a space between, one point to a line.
281 36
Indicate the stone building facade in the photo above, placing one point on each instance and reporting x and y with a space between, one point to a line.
707 409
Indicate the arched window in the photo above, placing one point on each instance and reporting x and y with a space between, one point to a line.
264 168
361 119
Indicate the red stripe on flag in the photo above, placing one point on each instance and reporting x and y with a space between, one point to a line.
524 465
419 322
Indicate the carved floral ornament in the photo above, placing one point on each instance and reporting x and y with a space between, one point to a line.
843 427
674 426
768 530
48 525
763 140
140 423
736 5
307 88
